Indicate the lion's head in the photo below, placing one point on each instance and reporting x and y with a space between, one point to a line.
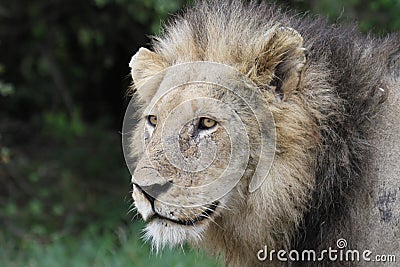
224 144
201 133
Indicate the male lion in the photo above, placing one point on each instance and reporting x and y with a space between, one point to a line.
230 78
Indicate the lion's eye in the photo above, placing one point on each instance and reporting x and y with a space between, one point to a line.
206 123
152 120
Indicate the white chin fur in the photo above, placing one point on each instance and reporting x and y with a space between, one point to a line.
142 204
162 233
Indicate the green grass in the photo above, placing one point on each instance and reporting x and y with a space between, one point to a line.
114 248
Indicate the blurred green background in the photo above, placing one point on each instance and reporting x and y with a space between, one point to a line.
64 189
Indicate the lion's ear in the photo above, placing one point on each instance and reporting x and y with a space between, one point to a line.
282 61
144 65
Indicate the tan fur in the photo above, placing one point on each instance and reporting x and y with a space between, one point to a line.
299 93
286 192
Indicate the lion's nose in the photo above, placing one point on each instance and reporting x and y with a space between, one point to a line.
149 181
153 191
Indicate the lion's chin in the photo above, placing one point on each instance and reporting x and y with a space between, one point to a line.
162 233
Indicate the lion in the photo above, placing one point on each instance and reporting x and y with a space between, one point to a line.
327 103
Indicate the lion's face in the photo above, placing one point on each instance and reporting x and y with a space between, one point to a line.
155 173
183 180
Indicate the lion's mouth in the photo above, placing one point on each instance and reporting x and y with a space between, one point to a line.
209 210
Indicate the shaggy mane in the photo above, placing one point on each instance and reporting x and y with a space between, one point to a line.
342 89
